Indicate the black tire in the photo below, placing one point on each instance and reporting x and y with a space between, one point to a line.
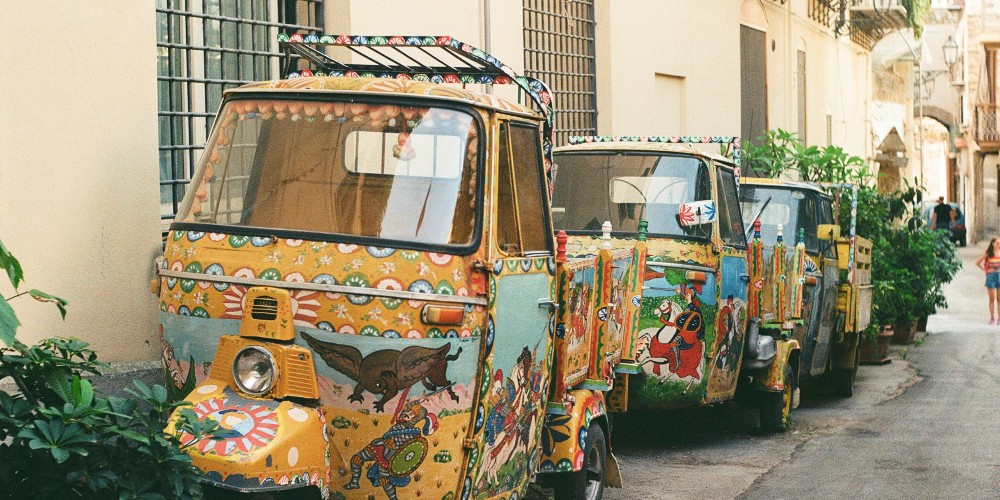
843 381
588 482
775 406
307 493
962 241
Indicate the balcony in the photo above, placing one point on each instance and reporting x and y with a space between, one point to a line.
986 129
877 15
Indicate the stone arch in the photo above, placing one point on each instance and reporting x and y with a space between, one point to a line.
753 15
941 115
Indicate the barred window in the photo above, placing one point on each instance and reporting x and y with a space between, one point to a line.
203 48
559 50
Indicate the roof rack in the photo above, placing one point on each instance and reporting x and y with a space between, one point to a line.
733 143
437 59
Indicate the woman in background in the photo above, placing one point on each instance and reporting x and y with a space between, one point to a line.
990 264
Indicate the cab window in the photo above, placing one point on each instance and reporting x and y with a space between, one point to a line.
826 217
522 220
729 217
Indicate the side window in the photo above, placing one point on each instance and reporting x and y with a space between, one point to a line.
730 219
703 191
808 214
522 219
826 217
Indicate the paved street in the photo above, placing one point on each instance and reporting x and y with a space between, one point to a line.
924 426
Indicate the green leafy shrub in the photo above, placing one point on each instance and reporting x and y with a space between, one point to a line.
60 438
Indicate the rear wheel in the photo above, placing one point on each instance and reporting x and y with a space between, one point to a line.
588 482
775 406
843 381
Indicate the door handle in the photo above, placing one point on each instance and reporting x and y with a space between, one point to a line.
551 305
744 277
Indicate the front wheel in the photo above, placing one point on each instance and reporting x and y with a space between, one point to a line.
588 482
775 406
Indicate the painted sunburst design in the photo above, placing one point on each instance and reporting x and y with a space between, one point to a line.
241 427
305 305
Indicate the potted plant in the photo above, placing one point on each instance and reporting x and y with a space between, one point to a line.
875 345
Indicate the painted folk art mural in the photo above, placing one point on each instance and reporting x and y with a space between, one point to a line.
397 395
510 414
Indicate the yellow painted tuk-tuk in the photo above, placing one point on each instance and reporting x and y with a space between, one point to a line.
362 285
690 333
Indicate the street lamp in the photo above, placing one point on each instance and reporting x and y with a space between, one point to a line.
950 49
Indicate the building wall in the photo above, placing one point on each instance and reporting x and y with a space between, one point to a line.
667 69
838 80
78 177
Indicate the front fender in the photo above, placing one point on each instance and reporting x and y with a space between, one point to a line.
565 436
261 444
772 378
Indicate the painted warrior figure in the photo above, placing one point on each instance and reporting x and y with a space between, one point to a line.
391 469
682 353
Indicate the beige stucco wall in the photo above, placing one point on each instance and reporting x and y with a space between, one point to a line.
838 80
665 68
78 176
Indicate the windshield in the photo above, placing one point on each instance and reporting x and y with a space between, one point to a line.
591 188
403 173
792 209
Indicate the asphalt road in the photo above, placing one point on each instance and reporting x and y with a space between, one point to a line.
926 425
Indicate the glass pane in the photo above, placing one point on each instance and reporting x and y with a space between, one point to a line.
729 219
528 169
507 226
623 187
370 170
788 208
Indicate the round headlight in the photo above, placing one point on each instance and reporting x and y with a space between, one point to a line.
254 370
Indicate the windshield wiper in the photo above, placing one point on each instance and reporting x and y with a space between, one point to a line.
750 226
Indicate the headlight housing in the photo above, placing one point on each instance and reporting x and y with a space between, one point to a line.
254 370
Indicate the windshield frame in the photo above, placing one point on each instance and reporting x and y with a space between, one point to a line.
368 98
634 234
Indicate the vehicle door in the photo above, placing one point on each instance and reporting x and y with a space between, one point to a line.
826 289
521 304
724 352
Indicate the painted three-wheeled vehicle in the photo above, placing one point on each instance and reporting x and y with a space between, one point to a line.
694 334
362 286
826 302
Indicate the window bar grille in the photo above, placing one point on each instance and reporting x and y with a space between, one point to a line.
559 50
205 47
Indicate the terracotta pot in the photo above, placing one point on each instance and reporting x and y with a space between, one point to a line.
876 352
904 333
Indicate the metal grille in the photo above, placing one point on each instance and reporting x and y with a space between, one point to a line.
559 50
203 48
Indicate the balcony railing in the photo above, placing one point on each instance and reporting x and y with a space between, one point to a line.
877 15
987 118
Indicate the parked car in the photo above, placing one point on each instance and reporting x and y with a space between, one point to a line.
957 226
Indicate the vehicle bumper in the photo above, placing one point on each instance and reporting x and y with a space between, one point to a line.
262 444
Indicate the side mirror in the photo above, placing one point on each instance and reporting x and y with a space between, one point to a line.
558 213
828 232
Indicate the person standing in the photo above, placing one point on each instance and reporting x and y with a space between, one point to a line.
990 264
943 215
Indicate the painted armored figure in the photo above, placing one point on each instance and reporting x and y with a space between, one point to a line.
397 453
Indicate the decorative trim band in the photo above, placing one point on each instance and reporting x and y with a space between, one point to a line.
320 287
